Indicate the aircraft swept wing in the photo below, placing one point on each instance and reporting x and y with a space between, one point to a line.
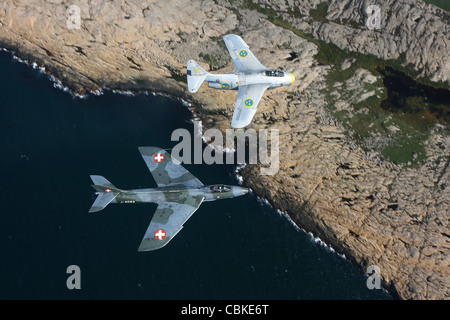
168 220
243 58
165 171
247 101
248 95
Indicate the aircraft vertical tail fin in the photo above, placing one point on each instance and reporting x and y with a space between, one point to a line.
101 181
195 76
106 192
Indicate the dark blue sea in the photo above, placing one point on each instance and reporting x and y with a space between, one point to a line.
51 141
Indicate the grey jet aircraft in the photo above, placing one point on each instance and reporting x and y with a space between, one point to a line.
178 195
251 79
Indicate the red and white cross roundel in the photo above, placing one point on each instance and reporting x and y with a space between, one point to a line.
108 190
159 157
160 234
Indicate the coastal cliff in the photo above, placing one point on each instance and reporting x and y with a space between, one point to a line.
337 180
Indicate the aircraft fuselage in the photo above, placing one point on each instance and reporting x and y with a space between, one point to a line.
232 81
177 193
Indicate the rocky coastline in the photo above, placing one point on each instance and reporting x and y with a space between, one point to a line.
375 211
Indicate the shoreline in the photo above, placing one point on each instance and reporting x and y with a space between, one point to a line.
190 105
58 84
373 210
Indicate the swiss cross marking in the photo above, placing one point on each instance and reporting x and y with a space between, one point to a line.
159 157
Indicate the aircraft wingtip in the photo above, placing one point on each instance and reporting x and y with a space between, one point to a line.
238 125
151 245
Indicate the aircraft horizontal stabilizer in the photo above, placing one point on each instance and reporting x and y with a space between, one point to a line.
195 76
106 192
102 200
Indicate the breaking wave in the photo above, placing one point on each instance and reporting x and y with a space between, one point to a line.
56 82
312 238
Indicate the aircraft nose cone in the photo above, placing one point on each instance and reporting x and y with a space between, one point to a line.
292 78
239 191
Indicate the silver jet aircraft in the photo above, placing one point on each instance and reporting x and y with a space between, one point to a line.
251 79
179 194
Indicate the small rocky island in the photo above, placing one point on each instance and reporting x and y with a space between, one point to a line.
371 181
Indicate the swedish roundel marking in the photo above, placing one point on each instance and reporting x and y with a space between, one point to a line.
248 102
243 53
226 86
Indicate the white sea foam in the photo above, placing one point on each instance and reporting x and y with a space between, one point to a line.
198 131
162 94
59 85
218 148
285 215
316 240
56 82
186 103
327 246
239 178
124 92
98 92
229 150
18 59
36 66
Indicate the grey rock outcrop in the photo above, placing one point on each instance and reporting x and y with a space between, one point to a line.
414 32
374 211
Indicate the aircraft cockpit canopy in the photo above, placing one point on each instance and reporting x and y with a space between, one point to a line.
219 188
274 73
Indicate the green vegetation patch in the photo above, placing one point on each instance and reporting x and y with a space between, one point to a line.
395 121
320 12
443 4
408 150
399 134
212 60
